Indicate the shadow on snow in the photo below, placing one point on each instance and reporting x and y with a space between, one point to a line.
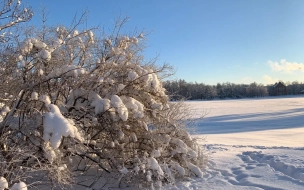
292 118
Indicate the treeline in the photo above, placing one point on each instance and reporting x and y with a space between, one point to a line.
178 89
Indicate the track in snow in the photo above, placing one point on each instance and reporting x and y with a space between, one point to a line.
255 169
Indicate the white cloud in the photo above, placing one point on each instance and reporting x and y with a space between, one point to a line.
269 79
285 66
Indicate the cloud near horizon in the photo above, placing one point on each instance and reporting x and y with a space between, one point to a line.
247 79
286 66
269 79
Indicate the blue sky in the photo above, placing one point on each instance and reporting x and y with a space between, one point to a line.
239 41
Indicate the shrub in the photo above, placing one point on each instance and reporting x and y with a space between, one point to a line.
78 109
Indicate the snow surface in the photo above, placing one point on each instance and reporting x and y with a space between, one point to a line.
250 143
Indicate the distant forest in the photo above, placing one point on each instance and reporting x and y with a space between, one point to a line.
179 89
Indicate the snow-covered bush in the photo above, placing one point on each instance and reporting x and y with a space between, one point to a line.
79 108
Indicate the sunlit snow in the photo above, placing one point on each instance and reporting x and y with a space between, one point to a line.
250 143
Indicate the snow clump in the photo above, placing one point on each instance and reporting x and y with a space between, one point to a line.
19 186
45 98
153 165
136 107
34 96
49 152
101 105
67 71
44 54
56 126
119 106
72 71
4 110
38 44
3 183
26 47
194 169
132 75
178 168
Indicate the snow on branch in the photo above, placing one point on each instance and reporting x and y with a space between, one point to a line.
12 13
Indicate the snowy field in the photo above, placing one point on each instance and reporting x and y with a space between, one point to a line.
251 144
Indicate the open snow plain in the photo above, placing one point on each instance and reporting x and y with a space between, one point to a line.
251 144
